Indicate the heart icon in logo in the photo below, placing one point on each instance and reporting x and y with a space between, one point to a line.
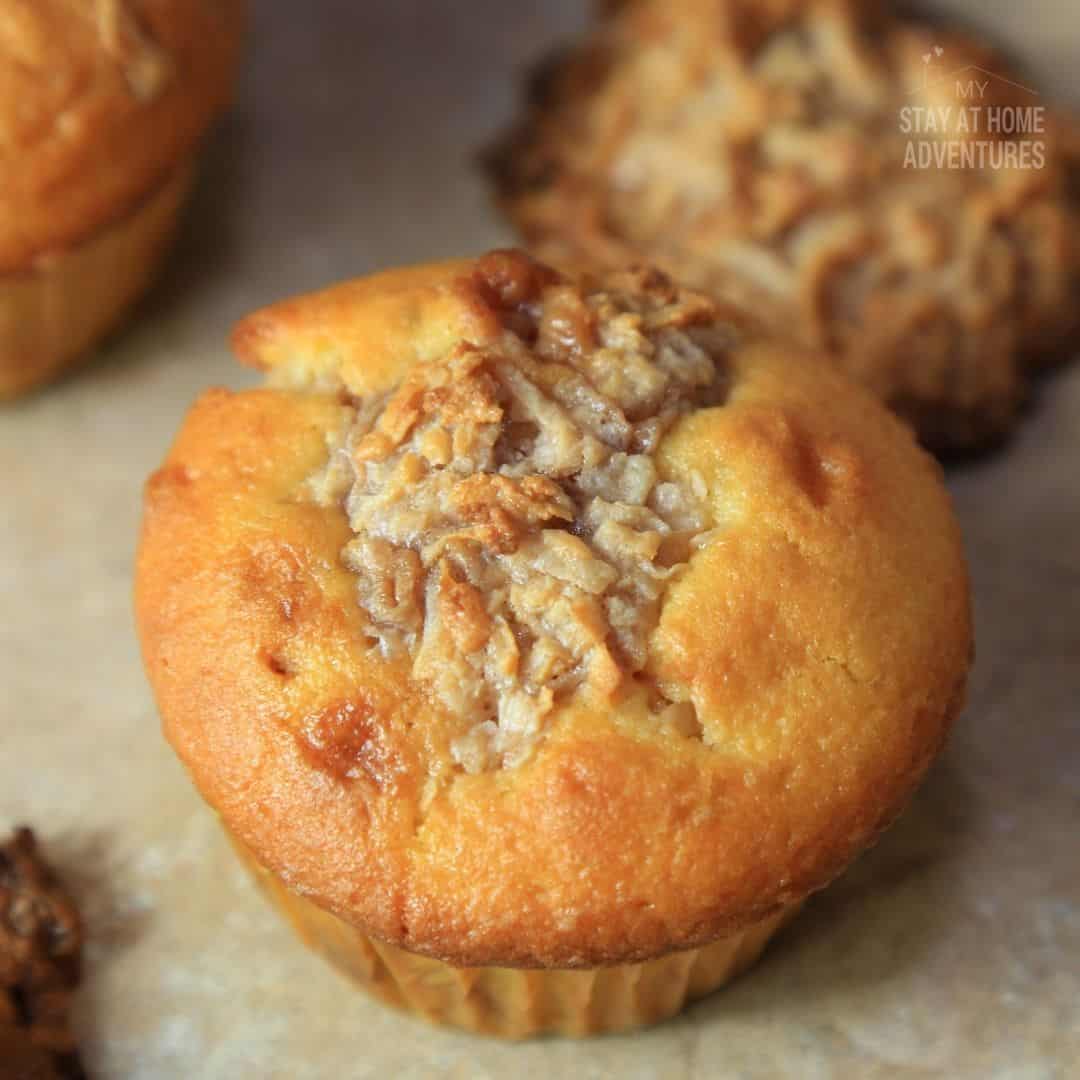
926 58
938 50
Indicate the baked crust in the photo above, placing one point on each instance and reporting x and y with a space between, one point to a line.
823 639
100 103
515 1003
756 150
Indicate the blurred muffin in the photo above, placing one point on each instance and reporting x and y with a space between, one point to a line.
542 642
781 154
102 107
40 958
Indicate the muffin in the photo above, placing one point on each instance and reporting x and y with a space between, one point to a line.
40 958
543 642
102 107
857 178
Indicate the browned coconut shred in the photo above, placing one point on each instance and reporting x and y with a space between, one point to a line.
513 534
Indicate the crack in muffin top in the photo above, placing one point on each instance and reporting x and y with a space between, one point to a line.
513 535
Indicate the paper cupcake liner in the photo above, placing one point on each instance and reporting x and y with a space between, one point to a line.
517 1003
52 314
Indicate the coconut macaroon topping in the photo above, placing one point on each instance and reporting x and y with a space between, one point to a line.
514 531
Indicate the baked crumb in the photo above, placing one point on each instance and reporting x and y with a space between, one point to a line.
40 944
513 534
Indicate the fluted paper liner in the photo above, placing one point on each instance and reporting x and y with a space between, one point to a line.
517 1003
53 313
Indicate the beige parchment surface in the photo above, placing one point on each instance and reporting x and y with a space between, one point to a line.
952 950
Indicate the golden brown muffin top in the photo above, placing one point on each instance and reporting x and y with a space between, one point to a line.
99 101
536 621
762 151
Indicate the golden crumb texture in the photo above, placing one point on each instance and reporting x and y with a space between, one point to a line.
101 102
702 597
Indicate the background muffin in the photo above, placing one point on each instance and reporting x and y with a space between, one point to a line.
762 152
530 623
40 959
102 106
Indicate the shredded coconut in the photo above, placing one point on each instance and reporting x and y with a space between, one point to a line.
513 536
